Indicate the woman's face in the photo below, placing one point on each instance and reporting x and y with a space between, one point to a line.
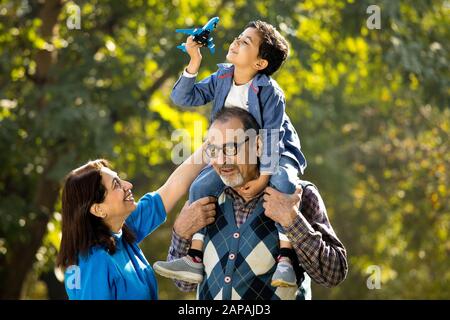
119 201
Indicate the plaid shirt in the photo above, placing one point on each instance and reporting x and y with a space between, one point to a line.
319 251
241 208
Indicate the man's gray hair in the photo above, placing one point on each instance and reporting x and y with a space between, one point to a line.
227 113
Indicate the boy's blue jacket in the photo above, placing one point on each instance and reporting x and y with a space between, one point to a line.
266 103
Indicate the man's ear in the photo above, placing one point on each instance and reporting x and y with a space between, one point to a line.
97 211
261 64
259 146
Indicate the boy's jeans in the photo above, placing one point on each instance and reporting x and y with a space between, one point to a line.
208 183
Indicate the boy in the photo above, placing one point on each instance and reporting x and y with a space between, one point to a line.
254 56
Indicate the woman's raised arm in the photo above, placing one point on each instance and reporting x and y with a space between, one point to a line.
180 180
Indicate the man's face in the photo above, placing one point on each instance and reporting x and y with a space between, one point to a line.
234 170
244 49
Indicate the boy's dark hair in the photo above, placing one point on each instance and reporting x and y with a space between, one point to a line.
274 48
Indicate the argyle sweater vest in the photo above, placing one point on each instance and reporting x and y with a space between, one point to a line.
240 262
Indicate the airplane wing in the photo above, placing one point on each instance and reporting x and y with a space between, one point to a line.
191 32
182 47
211 46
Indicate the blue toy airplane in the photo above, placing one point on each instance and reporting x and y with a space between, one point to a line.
201 35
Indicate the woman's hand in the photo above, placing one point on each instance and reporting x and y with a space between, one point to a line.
195 216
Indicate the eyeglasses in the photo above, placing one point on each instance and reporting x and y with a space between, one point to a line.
229 149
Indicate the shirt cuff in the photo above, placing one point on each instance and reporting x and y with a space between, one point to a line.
189 75
179 246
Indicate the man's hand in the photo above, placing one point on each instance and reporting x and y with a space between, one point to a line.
193 49
282 207
254 187
195 216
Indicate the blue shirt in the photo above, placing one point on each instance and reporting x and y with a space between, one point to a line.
126 274
266 103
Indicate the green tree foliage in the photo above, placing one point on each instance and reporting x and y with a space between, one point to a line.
371 107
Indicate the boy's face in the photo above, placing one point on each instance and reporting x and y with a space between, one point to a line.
243 51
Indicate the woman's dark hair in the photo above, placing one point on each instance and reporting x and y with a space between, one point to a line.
273 47
81 230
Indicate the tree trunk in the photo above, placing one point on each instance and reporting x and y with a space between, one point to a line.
22 255
55 289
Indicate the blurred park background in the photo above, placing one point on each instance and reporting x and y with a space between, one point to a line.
371 107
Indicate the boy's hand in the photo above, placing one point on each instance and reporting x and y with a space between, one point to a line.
254 187
193 49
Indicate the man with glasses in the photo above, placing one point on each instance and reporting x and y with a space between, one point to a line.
240 247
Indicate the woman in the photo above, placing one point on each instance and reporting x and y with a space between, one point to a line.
102 227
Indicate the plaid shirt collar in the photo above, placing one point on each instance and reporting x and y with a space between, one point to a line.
241 208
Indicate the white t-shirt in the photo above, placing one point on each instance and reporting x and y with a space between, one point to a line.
238 96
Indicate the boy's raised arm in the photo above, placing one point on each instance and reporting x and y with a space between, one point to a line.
186 92
193 49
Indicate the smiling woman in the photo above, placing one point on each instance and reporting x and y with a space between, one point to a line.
102 226
85 227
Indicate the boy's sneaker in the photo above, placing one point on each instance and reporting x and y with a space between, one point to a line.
184 269
284 275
